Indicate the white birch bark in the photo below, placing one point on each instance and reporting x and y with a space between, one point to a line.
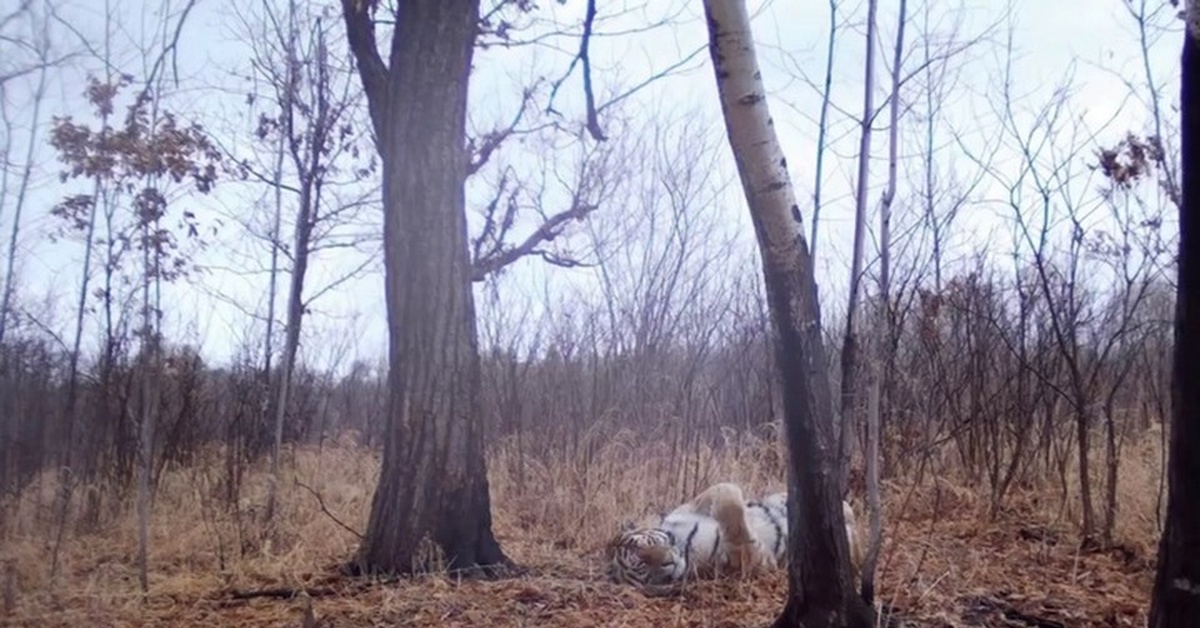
760 161
820 585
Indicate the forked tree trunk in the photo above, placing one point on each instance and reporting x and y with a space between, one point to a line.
433 492
1176 597
820 583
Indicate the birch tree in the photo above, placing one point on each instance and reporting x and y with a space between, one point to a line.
820 583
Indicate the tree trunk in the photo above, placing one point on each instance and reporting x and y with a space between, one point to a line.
820 585
1112 465
850 348
67 472
287 365
279 396
882 349
1176 597
148 363
1082 435
433 491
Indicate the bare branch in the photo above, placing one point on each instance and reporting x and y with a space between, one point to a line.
334 284
547 232
360 34
593 120
667 71
324 509
478 156
823 126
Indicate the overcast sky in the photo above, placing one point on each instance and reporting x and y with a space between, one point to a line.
1095 44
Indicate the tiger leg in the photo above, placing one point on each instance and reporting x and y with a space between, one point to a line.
852 536
726 503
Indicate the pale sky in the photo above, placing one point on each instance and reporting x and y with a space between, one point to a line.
1096 43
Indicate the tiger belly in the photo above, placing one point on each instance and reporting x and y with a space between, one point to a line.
768 521
697 540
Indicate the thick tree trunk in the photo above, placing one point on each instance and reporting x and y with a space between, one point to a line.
1176 597
431 509
820 585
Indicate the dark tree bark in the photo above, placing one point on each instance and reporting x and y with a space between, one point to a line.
431 508
820 583
1176 598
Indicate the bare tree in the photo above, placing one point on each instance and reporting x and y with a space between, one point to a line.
850 349
157 244
432 504
1176 597
942 196
67 467
146 158
38 40
469 542
308 122
654 258
1151 18
1130 252
1047 207
27 53
882 336
23 32
820 588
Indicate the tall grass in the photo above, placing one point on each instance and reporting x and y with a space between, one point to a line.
546 509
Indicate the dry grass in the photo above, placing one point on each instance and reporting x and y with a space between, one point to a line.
952 567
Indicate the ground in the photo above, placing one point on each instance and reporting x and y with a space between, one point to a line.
961 567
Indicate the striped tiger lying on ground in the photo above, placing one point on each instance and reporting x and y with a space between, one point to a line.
717 533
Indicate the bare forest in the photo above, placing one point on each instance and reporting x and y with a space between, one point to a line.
296 329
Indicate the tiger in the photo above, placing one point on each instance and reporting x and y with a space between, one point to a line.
717 532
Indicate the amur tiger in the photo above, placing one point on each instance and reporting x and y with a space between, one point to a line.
717 533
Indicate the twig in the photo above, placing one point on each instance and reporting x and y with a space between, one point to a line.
285 593
325 588
321 503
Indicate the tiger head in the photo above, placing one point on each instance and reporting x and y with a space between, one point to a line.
644 558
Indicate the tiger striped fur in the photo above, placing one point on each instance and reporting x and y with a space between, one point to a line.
717 532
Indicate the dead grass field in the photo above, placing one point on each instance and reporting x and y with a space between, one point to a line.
950 567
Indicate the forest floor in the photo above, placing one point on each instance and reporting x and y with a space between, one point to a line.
945 561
